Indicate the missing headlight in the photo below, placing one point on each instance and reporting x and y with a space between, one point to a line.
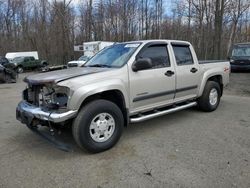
60 99
55 98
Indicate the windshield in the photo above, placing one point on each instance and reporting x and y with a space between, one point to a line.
17 59
241 51
114 56
84 58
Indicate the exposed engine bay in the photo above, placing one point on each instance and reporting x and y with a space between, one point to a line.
46 96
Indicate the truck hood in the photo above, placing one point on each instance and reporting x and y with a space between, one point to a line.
62 75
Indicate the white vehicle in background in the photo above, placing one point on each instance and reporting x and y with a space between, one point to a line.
89 49
11 55
81 61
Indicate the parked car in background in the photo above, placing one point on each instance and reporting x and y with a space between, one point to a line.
53 68
12 55
240 57
7 71
24 63
81 61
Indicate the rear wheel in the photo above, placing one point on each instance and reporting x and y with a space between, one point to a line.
44 64
98 126
210 98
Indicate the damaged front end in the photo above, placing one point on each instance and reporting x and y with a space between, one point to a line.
45 105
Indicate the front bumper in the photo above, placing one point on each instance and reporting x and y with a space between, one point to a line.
26 113
235 67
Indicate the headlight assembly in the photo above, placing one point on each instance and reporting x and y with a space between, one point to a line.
55 97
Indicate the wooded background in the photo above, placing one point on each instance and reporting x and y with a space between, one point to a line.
53 27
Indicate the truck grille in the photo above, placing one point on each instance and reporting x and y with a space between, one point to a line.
72 65
241 62
31 95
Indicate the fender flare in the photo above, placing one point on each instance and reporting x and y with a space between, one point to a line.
206 77
86 91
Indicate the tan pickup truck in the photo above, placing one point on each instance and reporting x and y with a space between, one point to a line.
125 83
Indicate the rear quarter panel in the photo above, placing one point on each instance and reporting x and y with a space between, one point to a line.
214 69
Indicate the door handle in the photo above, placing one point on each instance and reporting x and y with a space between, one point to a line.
194 70
169 73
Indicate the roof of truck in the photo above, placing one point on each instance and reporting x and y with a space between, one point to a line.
159 40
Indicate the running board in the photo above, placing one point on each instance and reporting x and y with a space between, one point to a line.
160 113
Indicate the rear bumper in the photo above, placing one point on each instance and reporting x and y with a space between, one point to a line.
26 113
240 67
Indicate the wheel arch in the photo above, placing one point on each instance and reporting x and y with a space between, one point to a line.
44 63
114 95
216 77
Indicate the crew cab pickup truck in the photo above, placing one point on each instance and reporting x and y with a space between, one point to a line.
29 62
125 83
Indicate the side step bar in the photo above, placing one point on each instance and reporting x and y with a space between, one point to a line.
160 113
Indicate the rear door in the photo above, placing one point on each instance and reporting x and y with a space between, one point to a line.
33 62
156 86
26 62
188 73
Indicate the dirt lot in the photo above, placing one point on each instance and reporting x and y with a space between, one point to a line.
185 149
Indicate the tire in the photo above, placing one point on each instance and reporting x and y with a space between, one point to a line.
44 64
210 99
84 133
19 69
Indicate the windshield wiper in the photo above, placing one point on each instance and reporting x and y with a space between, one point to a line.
99 65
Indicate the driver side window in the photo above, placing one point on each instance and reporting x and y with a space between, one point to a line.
158 55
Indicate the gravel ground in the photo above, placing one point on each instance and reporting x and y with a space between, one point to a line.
185 149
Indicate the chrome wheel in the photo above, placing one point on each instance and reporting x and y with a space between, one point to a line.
213 96
102 127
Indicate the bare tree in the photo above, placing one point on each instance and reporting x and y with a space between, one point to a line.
52 27
237 8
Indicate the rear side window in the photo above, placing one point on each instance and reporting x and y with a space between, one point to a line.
183 55
158 55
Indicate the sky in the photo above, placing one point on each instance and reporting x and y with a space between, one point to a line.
168 4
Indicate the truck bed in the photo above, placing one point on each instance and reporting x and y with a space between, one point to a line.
212 61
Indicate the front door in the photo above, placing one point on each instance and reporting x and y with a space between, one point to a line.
156 86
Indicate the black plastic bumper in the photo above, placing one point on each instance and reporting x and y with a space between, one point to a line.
33 123
53 139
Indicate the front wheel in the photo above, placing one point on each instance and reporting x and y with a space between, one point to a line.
210 99
19 69
98 126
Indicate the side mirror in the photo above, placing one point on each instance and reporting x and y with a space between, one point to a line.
142 64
